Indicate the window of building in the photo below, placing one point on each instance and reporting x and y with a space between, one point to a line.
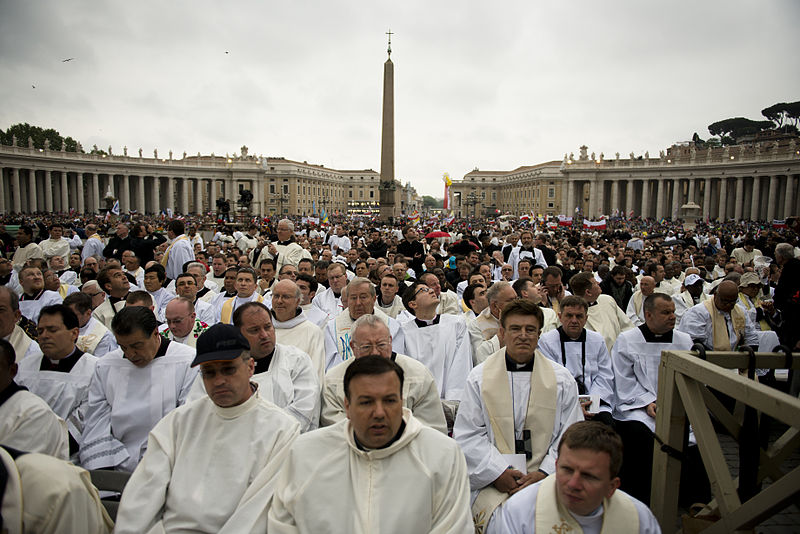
351 193
271 189
361 194
372 194
285 189
551 205
551 192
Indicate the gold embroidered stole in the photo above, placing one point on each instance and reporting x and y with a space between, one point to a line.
719 328
638 297
552 517
539 419
165 258
89 341
20 341
227 308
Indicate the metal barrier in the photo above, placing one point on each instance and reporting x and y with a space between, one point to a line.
683 390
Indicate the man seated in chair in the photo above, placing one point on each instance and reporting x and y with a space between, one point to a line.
211 464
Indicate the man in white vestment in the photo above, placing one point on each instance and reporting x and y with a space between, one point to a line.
605 317
206 289
132 388
516 406
292 327
228 287
154 277
93 336
448 301
56 245
487 323
308 287
179 251
718 323
360 297
354 475
10 331
186 287
439 342
286 375
211 464
757 311
61 373
475 299
691 295
526 249
27 423
132 267
388 301
182 324
286 251
585 355
217 272
371 337
113 281
526 288
93 244
582 496
47 495
34 295
636 358
330 300
245 292
26 248
635 310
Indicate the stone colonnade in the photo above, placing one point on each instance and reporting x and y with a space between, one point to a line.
753 197
24 190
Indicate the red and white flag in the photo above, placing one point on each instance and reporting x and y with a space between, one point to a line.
594 225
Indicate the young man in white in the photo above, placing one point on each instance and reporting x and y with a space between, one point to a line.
380 470
440 342
582 496
516 406
371 337
605 317
133 387
93 336
245 292
211 465
186 287
179 251
113 281
34 295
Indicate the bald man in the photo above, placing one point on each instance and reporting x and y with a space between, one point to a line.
718 323
635 310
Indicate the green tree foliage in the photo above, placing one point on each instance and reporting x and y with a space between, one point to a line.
38 134
734 128
98 151
784 115
431 202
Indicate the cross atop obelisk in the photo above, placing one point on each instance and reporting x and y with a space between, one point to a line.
387 186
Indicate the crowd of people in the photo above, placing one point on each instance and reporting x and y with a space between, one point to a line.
495 376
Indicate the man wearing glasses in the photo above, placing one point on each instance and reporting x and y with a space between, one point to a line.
718 323
440 342
183 325
371 337
515 391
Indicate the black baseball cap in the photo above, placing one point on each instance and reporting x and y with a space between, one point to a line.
218 343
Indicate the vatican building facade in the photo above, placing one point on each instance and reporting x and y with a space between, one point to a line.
757 181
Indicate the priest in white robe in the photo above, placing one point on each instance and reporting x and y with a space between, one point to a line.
690 295
484 327
516 406
179 251
330 300
585 355
718 323
360 297
636 358
286 251
182 324
113 281
10 331
34 295
211 465
380 471
448 301
186 287
56 244
93 337
245 292
93 244
439 342
757 311
60 375
308 287
371 337
154 278
583 494
26 248
605 317
635 310
27 423
292 327
132 388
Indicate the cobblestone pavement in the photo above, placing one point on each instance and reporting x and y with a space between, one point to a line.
786 521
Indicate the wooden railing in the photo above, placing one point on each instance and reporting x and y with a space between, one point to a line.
683 391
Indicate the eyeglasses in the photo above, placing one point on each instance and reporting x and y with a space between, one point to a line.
424 289
379 347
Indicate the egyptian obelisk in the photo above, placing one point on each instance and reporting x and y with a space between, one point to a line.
387 139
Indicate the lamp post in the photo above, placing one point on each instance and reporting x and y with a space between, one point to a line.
281 198
472 200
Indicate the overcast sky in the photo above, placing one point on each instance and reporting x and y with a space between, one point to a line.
492 85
